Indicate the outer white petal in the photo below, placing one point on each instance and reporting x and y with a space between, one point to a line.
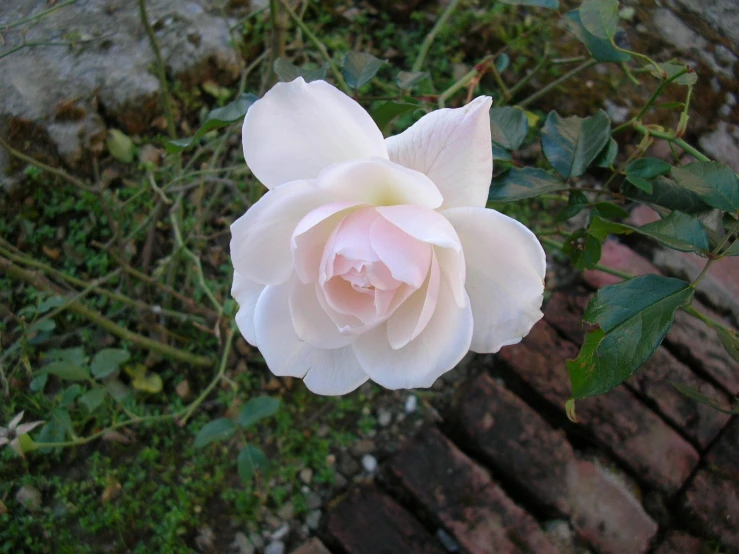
310 321
380 182
246 292
454 148
299 128
260 239
441 345
330 372
506 266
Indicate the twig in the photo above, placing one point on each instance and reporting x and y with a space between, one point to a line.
554 84
429 40
53 170
279 36
161 72
113 328
221 370
40 15
318 44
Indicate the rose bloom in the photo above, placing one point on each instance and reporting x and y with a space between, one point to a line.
373 258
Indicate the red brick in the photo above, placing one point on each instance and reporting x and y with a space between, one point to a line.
605 513
460 494
677 542
367 521
710 505
700 423
635 435
694 342
313 546
618 256
538 460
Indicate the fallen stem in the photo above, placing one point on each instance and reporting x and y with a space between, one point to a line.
431 36
554 84
96 317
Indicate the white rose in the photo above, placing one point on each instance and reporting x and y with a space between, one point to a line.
374 258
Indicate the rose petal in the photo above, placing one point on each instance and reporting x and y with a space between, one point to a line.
431 227
310 321
260 239
311 235
299 128
380 182
506 266
407 258
441 345
246 292
287 356
339 374
454 148
411 318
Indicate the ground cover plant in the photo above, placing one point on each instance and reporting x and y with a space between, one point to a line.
140 401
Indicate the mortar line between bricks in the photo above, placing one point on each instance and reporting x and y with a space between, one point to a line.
539 512
589 437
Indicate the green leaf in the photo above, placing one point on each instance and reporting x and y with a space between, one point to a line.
256 409
715 183
107 361
69 395
51 303
695 394
672 69
608 155
508 127
732 250
601 228
409 79
609 210
730 340
288 71
74 355
648 168
359 68
39 383
640 172
220 117
571 144
583 248
502 62
499 154
602 50
120 146
144 380
525 182
213 431
600 18
67 370
44 325
551 4
575 204
385 113
92 399
665 192
678 231
251 459
632 318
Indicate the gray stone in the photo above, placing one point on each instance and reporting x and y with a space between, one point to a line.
313 501
286 511
676 32
242 545
722 15
384 417
281 533
723 144
313 519
53 93
369 463
411 404
275 547
306 475
618 114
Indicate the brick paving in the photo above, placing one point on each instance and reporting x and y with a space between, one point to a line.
646 470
